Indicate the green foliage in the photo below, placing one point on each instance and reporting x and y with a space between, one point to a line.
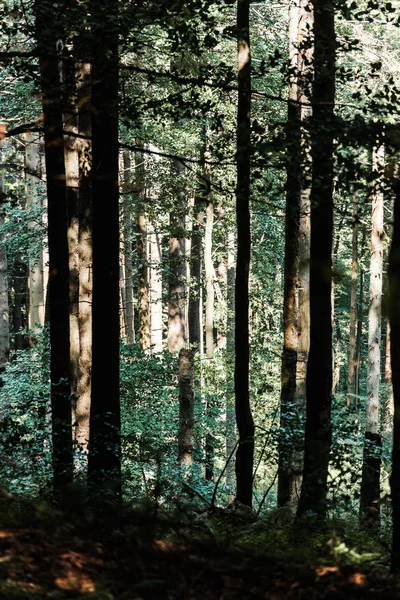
25 460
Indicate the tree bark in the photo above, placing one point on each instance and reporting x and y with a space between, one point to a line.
58 243
71 159
195 308
130 329
370 482
4 308
142 253
244 418
286 477
36 282
230 425
186 408
85 250
394 316
177 271
319 368
104 463
155 281
351 379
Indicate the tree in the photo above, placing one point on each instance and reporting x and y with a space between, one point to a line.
394 315
370 483
104 463
318 430
244 418
286 478
58 242
351 379
4 306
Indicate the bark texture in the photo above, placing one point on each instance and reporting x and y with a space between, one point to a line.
370 482
104 464
394 315
244 418
351 379
33 201
318 431
286 476
58 241
186 408
4 308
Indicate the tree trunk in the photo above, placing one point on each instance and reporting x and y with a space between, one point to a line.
319 369
186 408
33 201
230 425
104 463
209 266
20 316
244 418
71 158
141 249
351 379
195 308
370 482
130 328
360 320
306 71
177 271
82 409
286 477
155 280
4 310
58 244
394 315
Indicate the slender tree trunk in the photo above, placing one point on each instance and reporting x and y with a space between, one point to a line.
230 425
370 482
177 272
319 369
33 201
104 464
306 71
195 329
58 244
4 309
141 249
394 315
20 308
71 158
82 409
209 267
155 280
244 418
209 305
351 379
286 476
130 329
186 407
360 313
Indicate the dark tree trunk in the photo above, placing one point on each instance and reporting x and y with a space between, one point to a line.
186 408
58 242
244 418
286 475
394 315
104 465
318 431
195 330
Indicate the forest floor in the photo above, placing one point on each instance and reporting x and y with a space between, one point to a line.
65 556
